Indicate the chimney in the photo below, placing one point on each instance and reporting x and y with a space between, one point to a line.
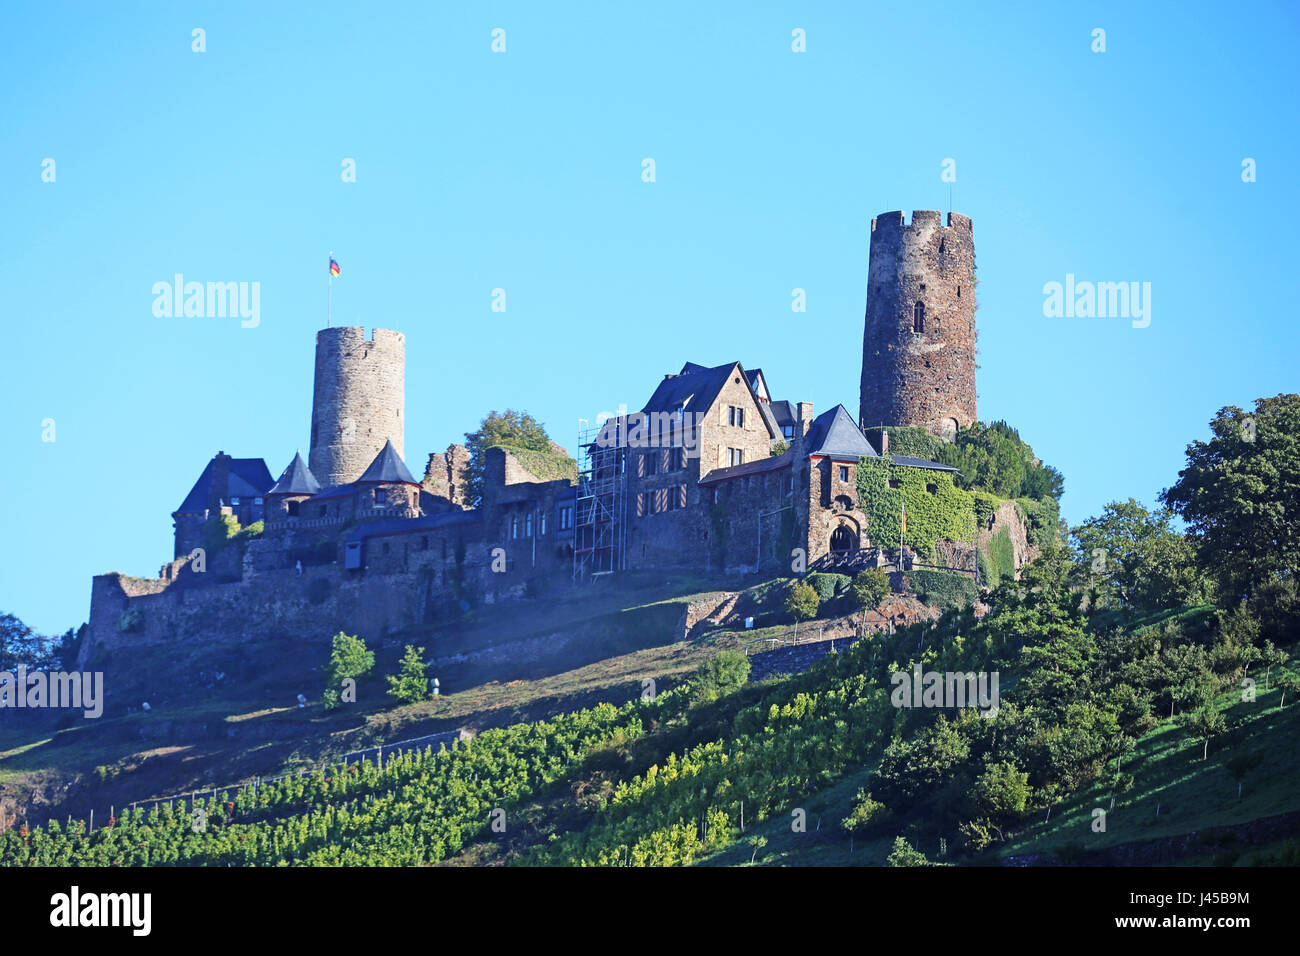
805 417
884 441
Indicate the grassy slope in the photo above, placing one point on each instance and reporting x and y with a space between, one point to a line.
581 648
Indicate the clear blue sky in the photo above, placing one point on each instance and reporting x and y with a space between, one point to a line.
522 171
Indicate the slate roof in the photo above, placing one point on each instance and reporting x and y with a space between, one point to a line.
919 463
757 467
834 434
784 412
403 525
694 385
296 480
249 478
387 466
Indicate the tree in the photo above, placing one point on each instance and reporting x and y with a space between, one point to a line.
409 684
869 588
1287 683
1238 496
903 854
19 644
1140 553
757 842
1001 791
1241 764
802 602
867 812
1203 723
510 429
349 660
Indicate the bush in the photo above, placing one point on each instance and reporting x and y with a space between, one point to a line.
720 674
944 588
218 531
904 855
867 812
829 585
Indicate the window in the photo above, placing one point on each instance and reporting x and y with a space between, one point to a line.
514 527
293 508
735 456
787 431
528 526
932 488
649 462
717 495
918 317
234 502
541 523
844 472
789 485
324 510
959 292
895 483
735 416
381 496
566 517
257 502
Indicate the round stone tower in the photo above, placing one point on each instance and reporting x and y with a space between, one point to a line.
357 402
918 349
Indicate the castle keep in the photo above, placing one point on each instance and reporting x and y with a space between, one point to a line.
918 346
712 473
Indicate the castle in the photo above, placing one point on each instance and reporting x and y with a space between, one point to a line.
711 474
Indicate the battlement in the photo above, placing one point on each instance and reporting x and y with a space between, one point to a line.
356 335
895 221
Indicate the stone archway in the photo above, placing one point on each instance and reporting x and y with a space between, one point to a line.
844 538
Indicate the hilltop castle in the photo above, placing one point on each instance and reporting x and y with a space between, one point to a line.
712 474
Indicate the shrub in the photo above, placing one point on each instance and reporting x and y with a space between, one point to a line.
943 588
867 812
720 674
217 532
131 621
904 855
829 585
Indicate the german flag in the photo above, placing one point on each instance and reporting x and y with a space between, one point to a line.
334 267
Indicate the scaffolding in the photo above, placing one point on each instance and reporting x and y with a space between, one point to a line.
600 515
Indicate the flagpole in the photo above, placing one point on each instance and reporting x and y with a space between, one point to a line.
329 315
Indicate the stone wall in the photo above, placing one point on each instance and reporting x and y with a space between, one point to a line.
358 400
923 377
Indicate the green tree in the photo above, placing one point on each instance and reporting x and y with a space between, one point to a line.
1139 553
1001 791
1238 496
409 685
802 602
349 659
19 644
757 842
867 812
869 588
510 429
1203 723
1288 683
903 854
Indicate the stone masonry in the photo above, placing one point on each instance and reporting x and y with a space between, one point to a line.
357 402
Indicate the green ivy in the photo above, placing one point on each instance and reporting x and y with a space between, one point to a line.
948 514
1001 564
943 588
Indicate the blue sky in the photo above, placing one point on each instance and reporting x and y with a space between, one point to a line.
522 170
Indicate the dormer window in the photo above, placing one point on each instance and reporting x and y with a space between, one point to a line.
381 496
293 509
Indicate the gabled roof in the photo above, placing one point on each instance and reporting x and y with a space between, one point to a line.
834 434
694 384
783 412
248 478
755 376
387 466
296 480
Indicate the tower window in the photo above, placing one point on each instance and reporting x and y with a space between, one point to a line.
918 317
959 292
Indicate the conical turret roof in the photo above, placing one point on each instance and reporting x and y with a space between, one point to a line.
388 466
296 480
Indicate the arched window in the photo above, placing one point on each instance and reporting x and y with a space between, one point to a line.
918 317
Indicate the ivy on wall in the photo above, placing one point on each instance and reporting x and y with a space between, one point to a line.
946 514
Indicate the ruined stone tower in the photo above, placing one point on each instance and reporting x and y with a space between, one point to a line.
357 401
918 348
